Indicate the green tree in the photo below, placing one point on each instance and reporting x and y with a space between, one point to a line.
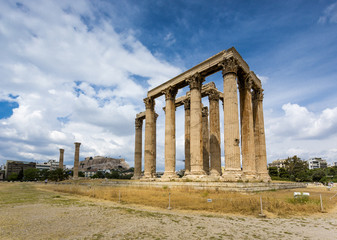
273 171
30 174
58 175
283 173
13 177
318 174
294 166
20 175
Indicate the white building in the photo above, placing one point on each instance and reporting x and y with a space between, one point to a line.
314 163
50 165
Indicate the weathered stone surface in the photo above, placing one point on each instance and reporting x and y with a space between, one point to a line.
103 163
76 160
61 158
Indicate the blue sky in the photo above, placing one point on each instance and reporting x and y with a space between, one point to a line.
79 70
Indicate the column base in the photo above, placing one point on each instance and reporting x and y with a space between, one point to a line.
187 172
264 177
231 175
136 177
250 176
215 173
168 176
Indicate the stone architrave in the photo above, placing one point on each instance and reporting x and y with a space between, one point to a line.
61 158
138 148
231 120
149 153
247 129
260 141
170 140
214 131
187 136
195 82
205 140
76 160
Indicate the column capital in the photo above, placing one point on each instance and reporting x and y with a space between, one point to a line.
246 82
138 123
195 81
213 95
258 94
61 150
187 104
205 112
77 144
149 103
155 116
170 93
229 65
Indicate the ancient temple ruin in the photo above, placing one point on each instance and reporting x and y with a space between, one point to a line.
202 125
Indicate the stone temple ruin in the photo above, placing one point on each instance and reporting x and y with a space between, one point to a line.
202 135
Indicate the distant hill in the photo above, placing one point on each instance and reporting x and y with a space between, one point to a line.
103 163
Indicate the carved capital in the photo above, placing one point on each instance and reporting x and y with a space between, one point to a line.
195 81
204 112
187 104
61 150
246 82
258 94
213 95
138 123
155 116
229 65
149 103
170 93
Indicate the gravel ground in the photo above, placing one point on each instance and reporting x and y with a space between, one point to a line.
62 216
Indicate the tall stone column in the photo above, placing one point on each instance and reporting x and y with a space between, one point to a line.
187 137
260 140
149 153
61 158
205 140
138 148
247 129
214 130
76 160
170 139
231 121
195 83
154 167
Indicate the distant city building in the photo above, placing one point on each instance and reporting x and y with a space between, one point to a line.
317 163
17 166
280 163
50 165
334 164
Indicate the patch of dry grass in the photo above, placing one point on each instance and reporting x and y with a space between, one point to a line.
279 203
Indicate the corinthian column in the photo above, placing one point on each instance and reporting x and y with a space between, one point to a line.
231 121
149 153
61 158
76 160
170 139
214 130
187 137
247 129
260 140
195 83
138 148
205 139
154 167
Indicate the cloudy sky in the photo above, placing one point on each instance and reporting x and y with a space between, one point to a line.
79 70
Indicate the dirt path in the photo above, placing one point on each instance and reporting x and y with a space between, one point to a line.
60 216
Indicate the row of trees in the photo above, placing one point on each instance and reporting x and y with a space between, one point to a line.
115 174
297 170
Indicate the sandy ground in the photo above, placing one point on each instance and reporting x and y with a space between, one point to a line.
62 216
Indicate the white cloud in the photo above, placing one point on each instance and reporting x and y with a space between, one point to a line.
263 79
74 81
329 15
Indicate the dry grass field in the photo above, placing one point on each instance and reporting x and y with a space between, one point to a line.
37 211
275 203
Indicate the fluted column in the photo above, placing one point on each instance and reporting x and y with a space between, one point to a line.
195 83
214 130
187 136
205 139
61 158
231 117
76 160
260 140
170 139
247 129
138 148
154 168
149 153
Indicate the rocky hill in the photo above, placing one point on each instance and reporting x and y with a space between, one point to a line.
103 163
